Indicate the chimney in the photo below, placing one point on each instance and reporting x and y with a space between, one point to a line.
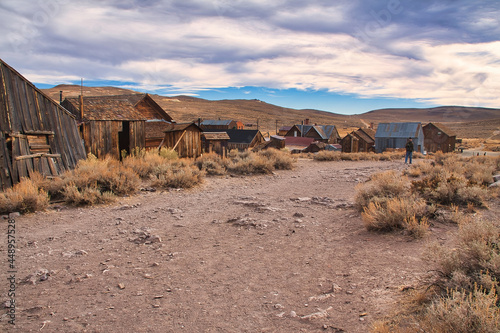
199 122
81 107
306 122
60 96
371 125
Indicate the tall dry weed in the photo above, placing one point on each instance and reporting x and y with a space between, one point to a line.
23 197
380 187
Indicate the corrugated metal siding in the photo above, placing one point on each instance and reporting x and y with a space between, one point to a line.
395 136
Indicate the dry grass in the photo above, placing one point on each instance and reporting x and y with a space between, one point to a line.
177 174
396 213
381 187
144 162
281 159
23 197
326 155
212 164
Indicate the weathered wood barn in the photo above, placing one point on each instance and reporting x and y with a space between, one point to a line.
157 119
108 125
321 133
36 133
350 143
111 124
361 140
216 142
184 138
395 136
438 137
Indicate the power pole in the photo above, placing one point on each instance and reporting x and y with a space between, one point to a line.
276 126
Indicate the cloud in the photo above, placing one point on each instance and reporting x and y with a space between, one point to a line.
445 52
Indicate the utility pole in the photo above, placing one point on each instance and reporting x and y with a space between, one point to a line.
276 126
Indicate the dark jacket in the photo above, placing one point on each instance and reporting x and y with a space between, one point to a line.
409 146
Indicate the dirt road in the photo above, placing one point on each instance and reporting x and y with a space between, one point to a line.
279 253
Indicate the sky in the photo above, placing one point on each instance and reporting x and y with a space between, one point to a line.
342 56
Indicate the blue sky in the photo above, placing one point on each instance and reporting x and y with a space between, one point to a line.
341 56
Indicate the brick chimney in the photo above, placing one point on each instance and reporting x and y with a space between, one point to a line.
306 122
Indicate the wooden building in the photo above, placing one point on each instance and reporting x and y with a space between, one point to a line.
157 119
321 133
395 136
36 133
108 109
438 137
184 138
361 140
216 142
108 125
350 143
220 124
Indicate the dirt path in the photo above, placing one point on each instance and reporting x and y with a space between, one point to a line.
279 253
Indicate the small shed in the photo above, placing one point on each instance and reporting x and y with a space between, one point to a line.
36 133
216 142
437 137
395 135
361 140
350 143
184 138
108 125
366 137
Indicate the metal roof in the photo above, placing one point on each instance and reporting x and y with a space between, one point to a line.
398 130
216 122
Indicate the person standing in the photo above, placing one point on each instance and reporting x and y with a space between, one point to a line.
409 150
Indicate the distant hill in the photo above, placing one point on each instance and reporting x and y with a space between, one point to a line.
268 116
443 114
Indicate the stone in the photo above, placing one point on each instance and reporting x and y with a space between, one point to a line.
495 184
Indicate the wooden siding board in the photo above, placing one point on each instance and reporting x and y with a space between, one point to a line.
4 107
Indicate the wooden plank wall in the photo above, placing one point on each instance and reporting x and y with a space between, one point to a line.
101 137
24 110
189 146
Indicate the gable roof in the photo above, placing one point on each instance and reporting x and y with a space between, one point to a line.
158 111
442 128
398 130
364 136
155 128
215 136
324 131
174 127
238 136
216 122
104 108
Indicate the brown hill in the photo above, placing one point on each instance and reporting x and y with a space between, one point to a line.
268 116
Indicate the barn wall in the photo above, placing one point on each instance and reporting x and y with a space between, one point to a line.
102 137
190 144
434 142
42 135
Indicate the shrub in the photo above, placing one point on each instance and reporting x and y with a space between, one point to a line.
211 163
86 196
396 213
281 160
178 174
462 312
249 164
23 197
380 187
326 155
